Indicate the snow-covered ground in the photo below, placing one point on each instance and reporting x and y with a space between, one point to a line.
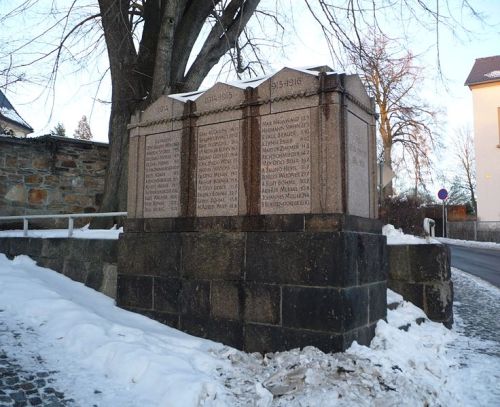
105 356
470 243
396 236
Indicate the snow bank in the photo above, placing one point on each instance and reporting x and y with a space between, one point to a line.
396 236
470 243
81 331
80 233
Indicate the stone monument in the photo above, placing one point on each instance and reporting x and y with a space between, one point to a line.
252 213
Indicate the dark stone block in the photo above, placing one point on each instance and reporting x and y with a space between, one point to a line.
165 318
439 302
412 292
28 246
267 338
262 303
398 259
159 225
429 262
377 294
75 269
52 248
195 298
131 254
94 275
166 294
354 309
226 300
163 255
228 332
135 291
312 308
324 222
5 246
213 255
295 258
133 225
364 335
56 264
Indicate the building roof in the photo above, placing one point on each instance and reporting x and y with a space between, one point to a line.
484 70
10 115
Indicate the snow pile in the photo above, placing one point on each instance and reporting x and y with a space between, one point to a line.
136 361
396 236
78 233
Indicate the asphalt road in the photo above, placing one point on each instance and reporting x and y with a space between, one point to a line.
483 263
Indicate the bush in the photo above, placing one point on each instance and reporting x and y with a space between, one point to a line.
404 212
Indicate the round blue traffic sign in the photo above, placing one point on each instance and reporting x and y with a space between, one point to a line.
442 194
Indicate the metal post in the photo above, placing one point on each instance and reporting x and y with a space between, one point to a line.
25 227
443 220
70 227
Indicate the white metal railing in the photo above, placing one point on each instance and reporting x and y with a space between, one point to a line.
70 216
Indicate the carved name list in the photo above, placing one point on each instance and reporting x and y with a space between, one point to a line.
285 163
217 174
162 175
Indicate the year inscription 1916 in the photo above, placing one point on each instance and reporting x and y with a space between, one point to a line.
162 175
285 163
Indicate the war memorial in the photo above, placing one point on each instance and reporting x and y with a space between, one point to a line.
252 213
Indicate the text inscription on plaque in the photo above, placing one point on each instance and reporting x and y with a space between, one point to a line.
162 175
285 163
217 174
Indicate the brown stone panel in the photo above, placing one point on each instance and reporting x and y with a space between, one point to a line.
286 163
213 255
135 291
218 169
161 109
162 175
221 99
358 167
225 300
263 303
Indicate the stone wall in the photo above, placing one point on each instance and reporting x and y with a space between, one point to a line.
261 284
48 175
88 261
421 273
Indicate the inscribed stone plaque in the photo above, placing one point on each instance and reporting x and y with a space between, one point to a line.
162 175
218 169
285 163
358 170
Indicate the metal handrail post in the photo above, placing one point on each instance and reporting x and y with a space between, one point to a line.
70 226
25 227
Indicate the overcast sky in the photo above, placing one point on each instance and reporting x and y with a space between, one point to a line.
75 92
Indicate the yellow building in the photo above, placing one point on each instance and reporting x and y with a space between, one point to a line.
484 82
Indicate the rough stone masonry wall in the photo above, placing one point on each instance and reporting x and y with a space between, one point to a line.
88 261
50 175
421 273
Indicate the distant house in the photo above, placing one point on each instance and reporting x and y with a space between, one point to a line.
484 82
11 123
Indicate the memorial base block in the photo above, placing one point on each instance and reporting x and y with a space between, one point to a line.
260 284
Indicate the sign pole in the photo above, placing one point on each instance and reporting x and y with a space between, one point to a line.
443 194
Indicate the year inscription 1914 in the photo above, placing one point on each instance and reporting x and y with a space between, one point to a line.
285 163
217 178
162 175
